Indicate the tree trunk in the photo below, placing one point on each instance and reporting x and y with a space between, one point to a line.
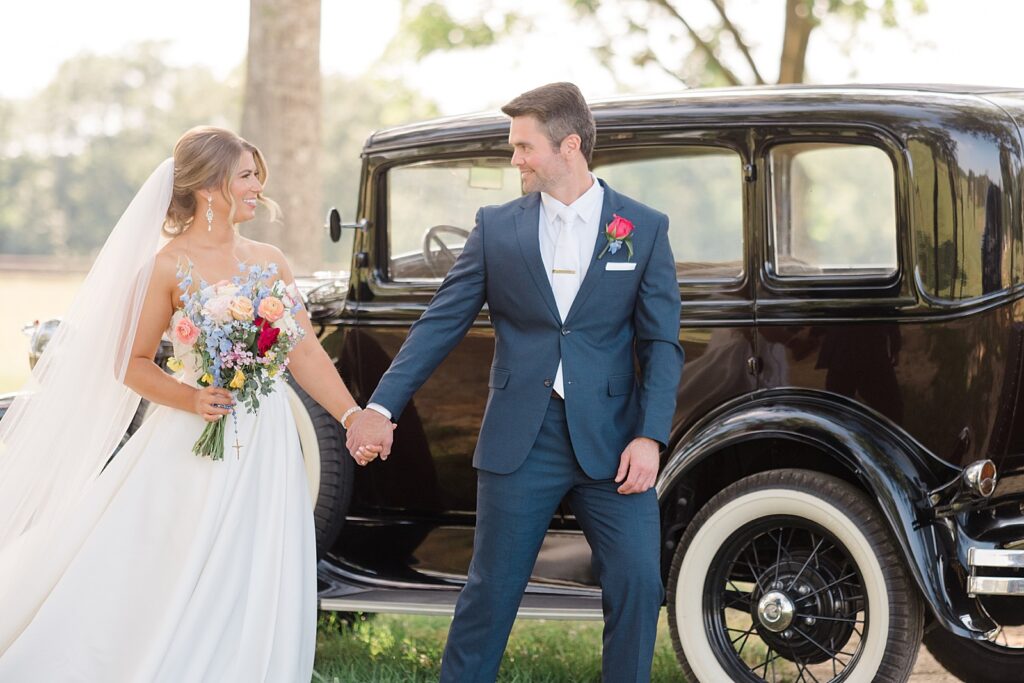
800 22
281 116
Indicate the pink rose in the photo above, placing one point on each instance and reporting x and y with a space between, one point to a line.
186 331
271 309
620 228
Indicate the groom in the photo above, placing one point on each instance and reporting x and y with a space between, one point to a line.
581 287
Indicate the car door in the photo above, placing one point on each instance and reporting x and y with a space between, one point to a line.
413 517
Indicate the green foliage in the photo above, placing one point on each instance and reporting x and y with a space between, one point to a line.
635 34
438 31
429 27
72 156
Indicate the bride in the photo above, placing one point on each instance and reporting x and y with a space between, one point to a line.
160 565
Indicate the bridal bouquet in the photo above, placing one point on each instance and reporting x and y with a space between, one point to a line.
239 333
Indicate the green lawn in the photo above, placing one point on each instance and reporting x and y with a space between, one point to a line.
392 648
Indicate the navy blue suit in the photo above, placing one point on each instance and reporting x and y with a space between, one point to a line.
534 450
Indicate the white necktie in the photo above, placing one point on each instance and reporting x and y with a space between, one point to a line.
565 273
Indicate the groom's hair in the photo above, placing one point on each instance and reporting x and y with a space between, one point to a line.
561 110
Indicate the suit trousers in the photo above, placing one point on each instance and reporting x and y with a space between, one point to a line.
514 512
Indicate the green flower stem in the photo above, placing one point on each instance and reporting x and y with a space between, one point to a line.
211 442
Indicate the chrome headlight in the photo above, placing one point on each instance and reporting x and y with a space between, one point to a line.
981 477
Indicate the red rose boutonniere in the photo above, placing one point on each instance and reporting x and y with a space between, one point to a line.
617 232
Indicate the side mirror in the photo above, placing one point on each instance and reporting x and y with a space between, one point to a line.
334 225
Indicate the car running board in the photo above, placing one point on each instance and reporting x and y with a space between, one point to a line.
1008 584
442 603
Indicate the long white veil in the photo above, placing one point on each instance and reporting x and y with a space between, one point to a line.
60 432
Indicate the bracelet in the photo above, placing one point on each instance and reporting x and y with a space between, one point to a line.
347 413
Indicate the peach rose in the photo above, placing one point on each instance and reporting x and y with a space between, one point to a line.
241 308
271 309
186 331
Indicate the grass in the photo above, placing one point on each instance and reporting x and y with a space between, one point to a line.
391 648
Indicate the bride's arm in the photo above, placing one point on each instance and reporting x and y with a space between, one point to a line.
142 375
311 366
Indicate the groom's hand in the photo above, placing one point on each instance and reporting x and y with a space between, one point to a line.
369 434
638 466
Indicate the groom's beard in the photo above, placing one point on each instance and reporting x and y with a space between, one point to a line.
532 181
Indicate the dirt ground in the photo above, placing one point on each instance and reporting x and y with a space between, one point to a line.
927 670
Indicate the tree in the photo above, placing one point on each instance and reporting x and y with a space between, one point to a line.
282 116
697 42
72 156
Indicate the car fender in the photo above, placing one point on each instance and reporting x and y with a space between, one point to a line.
889 464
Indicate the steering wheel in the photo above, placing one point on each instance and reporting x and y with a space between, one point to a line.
438 256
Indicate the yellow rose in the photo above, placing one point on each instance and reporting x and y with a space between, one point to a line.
206 379
174 364
238 381
270 355
241 308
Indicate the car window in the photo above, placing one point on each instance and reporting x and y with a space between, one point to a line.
701 191
833 211
431 209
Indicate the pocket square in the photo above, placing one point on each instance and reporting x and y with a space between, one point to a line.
611 265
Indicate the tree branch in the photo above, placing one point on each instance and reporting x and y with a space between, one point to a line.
740 43
702 44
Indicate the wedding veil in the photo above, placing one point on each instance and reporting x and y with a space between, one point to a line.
73 412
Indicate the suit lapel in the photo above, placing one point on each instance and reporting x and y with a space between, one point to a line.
595 271
527 228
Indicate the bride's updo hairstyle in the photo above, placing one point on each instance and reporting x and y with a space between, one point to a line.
207 157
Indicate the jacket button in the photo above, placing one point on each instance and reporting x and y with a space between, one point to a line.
548 382
565 330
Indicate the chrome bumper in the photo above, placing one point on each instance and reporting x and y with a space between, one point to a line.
984 558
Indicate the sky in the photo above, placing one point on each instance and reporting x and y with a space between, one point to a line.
956 41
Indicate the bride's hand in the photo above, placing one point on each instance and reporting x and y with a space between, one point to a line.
207 403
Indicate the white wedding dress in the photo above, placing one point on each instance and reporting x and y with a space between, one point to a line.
180 569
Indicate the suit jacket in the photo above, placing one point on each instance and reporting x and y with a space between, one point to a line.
620 320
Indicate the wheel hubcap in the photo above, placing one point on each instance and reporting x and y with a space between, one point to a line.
783 591
775 611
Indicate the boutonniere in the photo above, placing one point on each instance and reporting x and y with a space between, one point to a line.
619 230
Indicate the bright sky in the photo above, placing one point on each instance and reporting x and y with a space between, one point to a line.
955 42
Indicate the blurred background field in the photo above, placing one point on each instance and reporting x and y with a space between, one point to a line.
30 295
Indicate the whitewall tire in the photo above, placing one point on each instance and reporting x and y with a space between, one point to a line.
791 573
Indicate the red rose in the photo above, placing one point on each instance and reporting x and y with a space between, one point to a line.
620 228
268 335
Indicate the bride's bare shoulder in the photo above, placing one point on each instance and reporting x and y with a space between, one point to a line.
266 253
169 260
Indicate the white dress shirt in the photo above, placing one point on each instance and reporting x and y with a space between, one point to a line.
586 213
587 208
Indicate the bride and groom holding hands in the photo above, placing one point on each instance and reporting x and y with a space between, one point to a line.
580 285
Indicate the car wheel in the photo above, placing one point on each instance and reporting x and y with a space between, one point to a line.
791 575
979 661
329 468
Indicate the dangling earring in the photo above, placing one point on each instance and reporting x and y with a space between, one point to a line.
209 213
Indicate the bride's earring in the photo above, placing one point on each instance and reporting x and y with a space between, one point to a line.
209 213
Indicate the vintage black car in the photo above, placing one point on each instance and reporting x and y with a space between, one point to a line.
846 468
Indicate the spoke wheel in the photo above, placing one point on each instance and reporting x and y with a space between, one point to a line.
790 576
